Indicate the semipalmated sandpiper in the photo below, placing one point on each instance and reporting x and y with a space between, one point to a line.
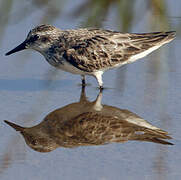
91 51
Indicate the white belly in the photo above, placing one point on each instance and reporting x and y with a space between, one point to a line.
64 65
70 68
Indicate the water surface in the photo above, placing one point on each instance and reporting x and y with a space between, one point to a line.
30 89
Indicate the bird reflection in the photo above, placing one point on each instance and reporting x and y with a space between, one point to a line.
86 123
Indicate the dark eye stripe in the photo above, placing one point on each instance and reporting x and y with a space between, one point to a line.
33 38
45 39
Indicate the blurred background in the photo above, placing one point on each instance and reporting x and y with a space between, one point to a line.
30 88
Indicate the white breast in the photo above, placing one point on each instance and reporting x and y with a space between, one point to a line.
63 65
66 66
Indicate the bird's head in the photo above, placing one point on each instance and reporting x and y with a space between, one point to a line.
40 39
35 138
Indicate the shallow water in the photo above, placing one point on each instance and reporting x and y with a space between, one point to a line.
30 89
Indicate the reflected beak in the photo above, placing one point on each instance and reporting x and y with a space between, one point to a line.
15 126
21 47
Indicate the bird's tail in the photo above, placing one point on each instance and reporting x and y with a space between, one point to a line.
156 136
169 36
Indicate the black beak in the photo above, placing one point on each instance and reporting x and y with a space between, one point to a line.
15 126
21 47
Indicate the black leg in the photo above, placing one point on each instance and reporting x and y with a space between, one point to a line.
83 80
101 88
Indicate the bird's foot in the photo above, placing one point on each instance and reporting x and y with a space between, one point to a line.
83 83
101 88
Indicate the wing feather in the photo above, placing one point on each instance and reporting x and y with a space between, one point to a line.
94 49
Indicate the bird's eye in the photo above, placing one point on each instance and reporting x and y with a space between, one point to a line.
34 38
44 39
34 142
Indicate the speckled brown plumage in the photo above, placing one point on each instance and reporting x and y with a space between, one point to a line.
89 123
91 51
95 49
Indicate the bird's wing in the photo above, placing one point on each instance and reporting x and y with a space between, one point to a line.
96 128
101 49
